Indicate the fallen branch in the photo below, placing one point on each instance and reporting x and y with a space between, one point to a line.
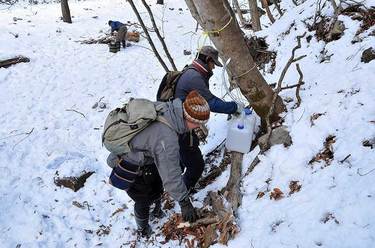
27 135
365 174
204 221
348 156
8 62
73 110
252 165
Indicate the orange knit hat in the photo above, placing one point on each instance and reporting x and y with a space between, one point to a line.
196 108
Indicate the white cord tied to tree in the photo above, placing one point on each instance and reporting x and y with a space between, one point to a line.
235 98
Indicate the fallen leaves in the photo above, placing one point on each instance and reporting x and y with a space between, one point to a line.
326 154
74 183
167 201
276 194
314 117
294 187
327 217
260 194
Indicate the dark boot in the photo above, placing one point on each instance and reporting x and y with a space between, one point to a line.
123 44
157 213
143 228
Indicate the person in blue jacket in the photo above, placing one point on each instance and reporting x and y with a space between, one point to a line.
121 30
196 77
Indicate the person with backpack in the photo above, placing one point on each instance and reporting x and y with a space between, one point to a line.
151 160
121 30
196 77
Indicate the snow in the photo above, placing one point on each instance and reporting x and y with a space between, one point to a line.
41 134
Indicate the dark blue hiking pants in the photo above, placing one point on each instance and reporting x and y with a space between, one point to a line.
191 158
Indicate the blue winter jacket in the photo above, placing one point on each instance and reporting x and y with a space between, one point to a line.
196 77
115 25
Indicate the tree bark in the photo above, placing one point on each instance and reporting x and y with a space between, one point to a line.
239 13
159 35
65 11
231 44
254 12
269 14
148 35
232 190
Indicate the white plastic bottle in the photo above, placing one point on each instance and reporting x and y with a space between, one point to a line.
251 120
240 133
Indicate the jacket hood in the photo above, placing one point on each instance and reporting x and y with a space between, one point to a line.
173 113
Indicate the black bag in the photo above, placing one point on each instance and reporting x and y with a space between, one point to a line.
167 87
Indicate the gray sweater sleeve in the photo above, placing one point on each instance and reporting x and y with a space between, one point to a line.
165 150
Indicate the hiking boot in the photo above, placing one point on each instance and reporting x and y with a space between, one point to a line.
144 232
143 228
157 213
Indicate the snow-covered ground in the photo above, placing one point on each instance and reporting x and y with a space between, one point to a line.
41 135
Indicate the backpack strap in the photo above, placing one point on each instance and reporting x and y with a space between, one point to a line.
164 121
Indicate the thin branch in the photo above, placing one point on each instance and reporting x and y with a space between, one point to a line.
73 110
159 35
252 165
277 7
365 174
300 82
27 135
148 35
278 89
348 156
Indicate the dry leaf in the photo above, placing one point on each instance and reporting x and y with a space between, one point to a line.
260 194
276 194
294 187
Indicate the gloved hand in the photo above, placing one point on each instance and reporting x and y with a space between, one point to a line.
187 210
240 107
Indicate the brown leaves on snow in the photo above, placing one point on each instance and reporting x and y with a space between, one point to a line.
326 154
276 194
294 187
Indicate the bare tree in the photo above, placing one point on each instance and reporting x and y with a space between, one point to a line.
159 35
276 3
231 44
65 11
239 13
148 36
269 14
255 19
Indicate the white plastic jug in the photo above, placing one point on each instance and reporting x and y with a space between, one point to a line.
240 133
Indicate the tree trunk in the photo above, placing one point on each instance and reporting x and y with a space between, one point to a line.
231 44
239 13
232 190
269 14
255 19
65 11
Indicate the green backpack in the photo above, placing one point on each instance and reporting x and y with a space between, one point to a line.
122 124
